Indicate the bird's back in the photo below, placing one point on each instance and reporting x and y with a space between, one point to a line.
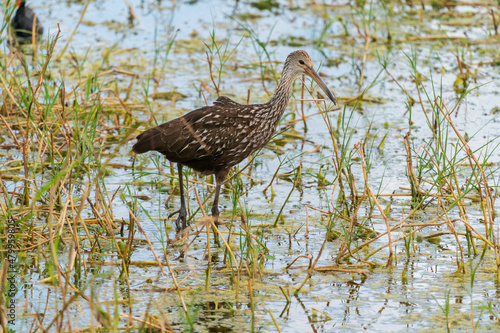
22 23
207 139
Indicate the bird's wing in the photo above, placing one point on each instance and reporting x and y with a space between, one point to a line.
204 133
226 103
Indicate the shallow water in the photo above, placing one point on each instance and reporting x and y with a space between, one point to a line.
408 295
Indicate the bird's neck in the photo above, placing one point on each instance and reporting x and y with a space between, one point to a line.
283 91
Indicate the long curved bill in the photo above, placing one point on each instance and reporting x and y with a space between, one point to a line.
312 73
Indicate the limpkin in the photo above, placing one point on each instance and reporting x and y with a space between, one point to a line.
212 139
22 23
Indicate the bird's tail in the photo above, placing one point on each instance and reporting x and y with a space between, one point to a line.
146 141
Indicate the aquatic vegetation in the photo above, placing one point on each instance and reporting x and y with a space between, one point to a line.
380 213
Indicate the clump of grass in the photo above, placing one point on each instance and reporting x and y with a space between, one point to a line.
220 52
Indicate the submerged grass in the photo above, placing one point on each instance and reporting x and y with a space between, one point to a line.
84 221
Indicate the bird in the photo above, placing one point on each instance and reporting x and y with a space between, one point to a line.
212 139
22 24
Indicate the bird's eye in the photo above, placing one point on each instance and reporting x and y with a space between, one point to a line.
301 62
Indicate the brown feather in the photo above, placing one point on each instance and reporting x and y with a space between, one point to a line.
205 139
212 139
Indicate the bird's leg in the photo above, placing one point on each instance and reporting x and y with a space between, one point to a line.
215 207
181 219
215 214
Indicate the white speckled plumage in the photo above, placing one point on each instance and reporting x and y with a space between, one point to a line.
212 139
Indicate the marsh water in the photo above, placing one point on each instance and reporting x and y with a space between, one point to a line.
389 63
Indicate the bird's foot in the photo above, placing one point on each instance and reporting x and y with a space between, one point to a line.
181 221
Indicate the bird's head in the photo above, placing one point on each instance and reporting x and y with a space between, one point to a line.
300 62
